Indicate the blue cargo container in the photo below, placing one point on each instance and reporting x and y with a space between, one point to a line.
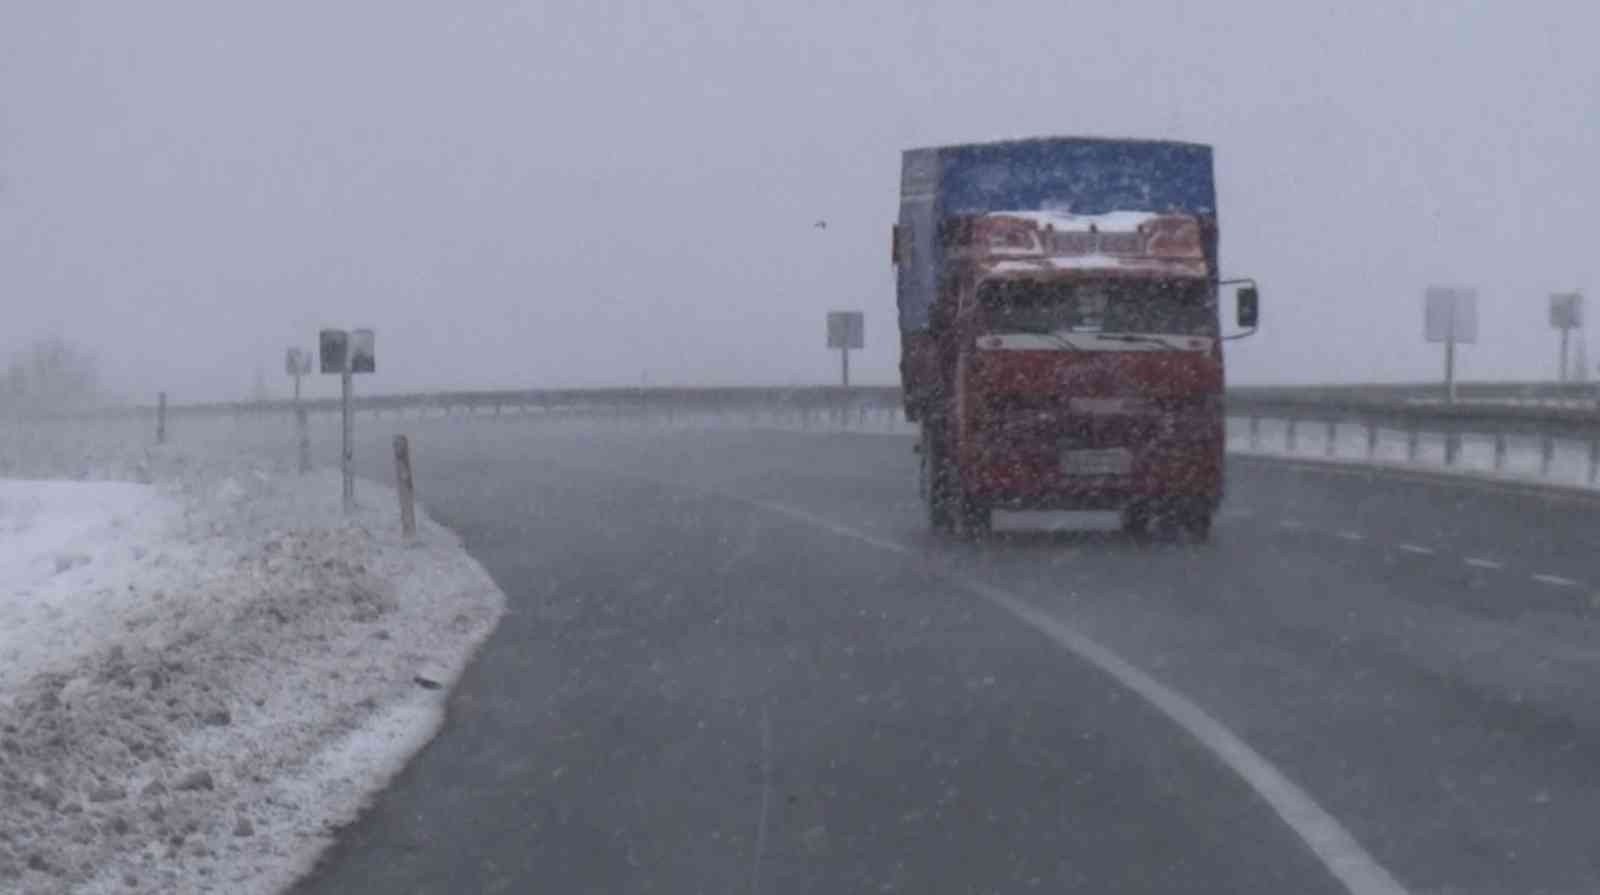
1077 174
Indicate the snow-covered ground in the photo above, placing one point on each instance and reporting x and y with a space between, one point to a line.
203 676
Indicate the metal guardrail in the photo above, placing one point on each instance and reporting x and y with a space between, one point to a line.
1530 393
1494 428
1460 418
727 399
1409 395
1560 446
1483 408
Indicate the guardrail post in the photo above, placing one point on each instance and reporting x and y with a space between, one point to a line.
1290 437
1255 433
1372 441
1333 437
1412 444
1547 453
403 484
1452 448
1594 461
1499 451
161 418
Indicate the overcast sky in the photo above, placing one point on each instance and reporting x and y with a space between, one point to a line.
592 193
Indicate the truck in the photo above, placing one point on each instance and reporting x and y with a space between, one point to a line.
1061 347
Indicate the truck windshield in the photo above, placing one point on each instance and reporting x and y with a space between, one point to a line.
1132 306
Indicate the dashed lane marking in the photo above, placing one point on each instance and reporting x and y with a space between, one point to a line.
1415 548
1554 580
1478 562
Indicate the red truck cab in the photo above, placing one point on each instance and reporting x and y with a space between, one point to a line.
1082 367
1060 340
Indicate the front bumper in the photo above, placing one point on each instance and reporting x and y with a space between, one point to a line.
1168 459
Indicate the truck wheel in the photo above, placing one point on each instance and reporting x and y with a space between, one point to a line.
941 476
977 518
1136 519
1196 521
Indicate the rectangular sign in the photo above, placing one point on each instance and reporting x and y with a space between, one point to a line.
1113 461
334 349
846 329
1566 310
1449 310
363 351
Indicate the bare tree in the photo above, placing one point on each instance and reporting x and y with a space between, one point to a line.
51 374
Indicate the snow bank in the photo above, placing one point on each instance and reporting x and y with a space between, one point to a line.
202 679
80 563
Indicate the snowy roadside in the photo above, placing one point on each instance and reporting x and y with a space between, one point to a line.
202 678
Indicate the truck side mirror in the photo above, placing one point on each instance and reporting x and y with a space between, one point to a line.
1249 307
894 245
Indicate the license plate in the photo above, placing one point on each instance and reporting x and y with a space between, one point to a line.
1114 461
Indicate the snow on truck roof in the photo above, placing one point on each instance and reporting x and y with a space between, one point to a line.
1066 220
1023 141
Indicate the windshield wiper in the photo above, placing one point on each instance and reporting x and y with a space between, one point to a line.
1134 338
1046 331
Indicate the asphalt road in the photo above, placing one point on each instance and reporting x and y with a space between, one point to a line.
736 662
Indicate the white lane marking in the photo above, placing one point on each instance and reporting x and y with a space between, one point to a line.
1414 548
1555 580
1478 562
822 523
1339 851
1351 536
1291 524
766 797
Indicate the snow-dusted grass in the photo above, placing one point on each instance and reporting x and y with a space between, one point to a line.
203 677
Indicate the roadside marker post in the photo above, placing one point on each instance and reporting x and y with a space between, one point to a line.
402 477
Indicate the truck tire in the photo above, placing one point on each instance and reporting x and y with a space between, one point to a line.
941 477
1136 519
1196 521
977 518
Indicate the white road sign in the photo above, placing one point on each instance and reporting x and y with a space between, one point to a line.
1450 310
846 329
1566 310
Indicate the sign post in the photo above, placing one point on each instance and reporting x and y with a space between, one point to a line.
297 363
348 353
1450 315
846 330
1566 314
